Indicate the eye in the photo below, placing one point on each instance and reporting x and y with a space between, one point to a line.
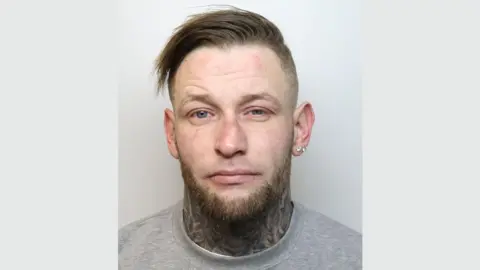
200 114
257 112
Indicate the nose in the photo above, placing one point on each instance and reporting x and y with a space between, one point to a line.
231 139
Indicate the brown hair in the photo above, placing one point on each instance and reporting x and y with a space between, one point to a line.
222 28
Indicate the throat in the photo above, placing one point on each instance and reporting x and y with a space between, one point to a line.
246 236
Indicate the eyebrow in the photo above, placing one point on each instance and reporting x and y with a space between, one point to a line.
203 98
207 99
262 96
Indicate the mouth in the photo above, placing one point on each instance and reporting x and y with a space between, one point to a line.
234 177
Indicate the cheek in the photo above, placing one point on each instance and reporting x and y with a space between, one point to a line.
269 144
193 143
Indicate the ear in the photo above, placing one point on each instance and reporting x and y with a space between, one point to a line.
169 126
303 118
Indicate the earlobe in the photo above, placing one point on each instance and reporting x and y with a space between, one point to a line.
169 126
299 150
304 118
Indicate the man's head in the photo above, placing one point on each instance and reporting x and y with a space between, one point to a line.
233 86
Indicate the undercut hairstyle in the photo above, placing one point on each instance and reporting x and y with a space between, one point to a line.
222 28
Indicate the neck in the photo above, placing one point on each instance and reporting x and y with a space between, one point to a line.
238 238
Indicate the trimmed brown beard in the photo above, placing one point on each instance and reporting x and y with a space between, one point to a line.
239 209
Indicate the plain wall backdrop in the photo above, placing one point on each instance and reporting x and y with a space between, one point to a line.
324 37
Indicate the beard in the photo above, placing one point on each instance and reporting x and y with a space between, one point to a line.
237 209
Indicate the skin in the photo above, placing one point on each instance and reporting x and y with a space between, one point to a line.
233 110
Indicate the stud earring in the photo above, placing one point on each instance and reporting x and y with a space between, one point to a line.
301 149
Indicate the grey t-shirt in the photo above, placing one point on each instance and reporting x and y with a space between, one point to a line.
313 241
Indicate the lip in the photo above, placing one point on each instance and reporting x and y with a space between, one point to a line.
233 177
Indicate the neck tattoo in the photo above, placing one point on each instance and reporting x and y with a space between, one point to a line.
238 238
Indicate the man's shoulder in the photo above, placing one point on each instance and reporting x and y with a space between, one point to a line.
323 224
320 232
158 223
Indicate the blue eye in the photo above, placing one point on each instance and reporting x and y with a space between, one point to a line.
257 112
201 114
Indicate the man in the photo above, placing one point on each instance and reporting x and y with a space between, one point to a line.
234 127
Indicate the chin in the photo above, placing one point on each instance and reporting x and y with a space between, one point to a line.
234 198
237 203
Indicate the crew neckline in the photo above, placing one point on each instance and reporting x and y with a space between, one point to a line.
266 258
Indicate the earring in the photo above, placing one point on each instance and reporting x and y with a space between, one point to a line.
301 149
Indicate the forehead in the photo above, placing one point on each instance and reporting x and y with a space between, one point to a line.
233 71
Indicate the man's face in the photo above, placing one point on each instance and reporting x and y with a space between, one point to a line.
232 128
